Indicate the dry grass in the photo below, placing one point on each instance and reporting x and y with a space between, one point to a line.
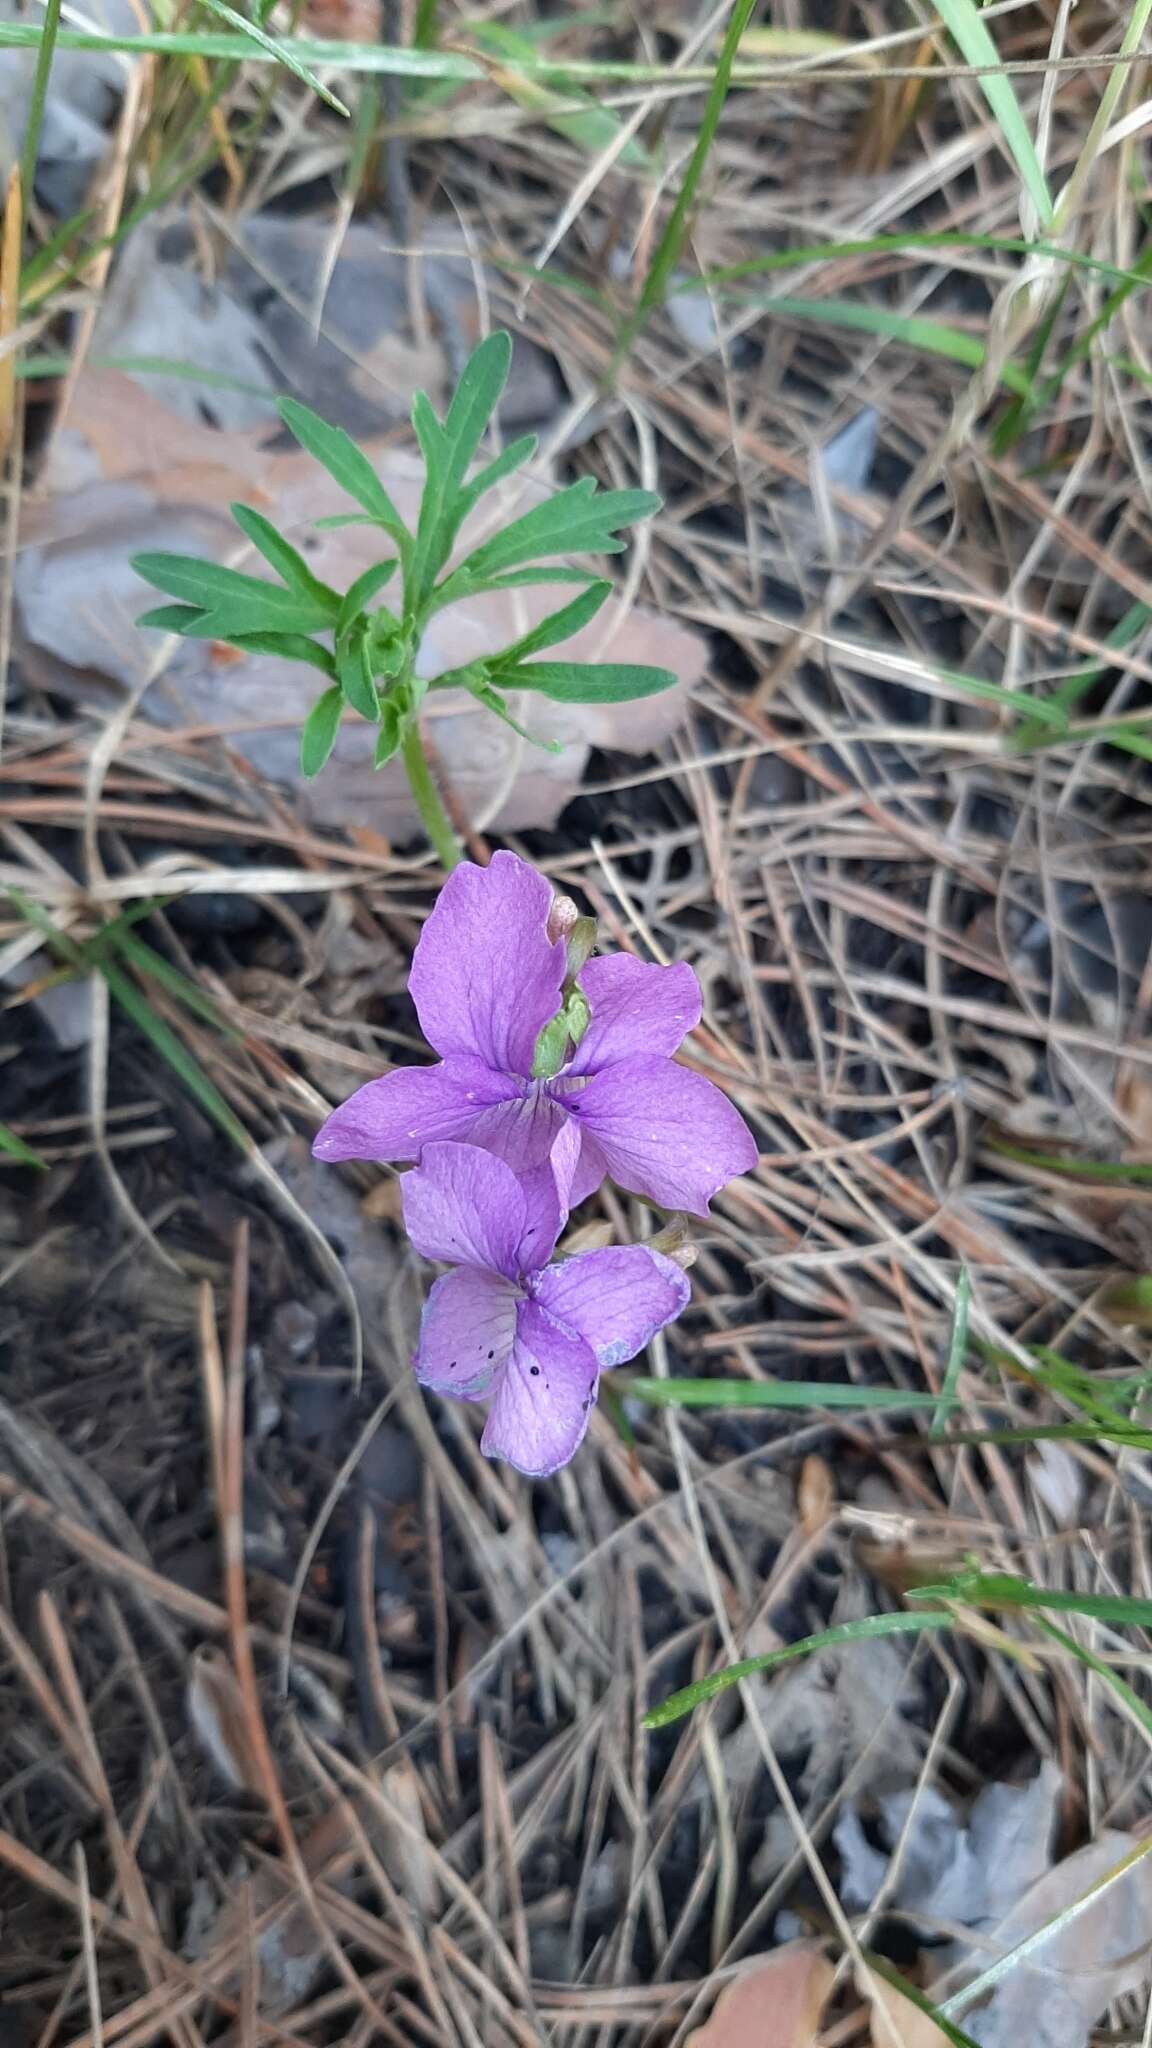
918 942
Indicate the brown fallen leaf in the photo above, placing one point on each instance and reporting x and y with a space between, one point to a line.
775 2004
895 2021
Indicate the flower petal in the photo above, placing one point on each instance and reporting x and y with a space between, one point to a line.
543 1396
467 1332
636 1008
465 1208
396 1116
485 979
615 1299
665 1133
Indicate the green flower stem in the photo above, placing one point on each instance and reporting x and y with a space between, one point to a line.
437 823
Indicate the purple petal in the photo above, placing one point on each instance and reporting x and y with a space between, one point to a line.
485 978
467 1332
465 1208
636 1008
525 1132
543 1396
396 1116
615 1299
665 1133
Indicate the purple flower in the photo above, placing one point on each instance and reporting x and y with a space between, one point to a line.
505 1323
485 979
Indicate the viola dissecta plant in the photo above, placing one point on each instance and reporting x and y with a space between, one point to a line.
556 1068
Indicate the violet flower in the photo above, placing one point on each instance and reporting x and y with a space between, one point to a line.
485 980
505 1322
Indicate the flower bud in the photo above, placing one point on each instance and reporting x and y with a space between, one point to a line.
561 917
581 944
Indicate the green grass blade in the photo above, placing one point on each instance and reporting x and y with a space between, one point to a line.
1069 692
1000 1591
969 32
280 53
14 1148
1106 1172
30 149
176 1055
957 1351
668 248
675 1393
926 337
897 244
680 1703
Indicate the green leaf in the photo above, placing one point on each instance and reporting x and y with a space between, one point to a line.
360 593
171 618
212 587
475 400
289 565
486 695
354 671
511 458
524 579
247 619
319 733
579 520
337 452
14 1148
587 682
968 30
680 1703
559 625
288 646
449 450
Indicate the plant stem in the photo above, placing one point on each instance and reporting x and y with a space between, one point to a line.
437 823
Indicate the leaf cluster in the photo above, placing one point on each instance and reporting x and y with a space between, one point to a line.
366 651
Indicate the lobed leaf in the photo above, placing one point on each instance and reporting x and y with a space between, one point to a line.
281 556
579 520
337 452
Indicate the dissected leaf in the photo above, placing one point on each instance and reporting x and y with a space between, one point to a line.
212 587
281 556
559 625
449 450
319 733
289 647
777 2003
509 459
587 682
337 452
576 521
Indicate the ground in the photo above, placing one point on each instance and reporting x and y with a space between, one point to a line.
271 1629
